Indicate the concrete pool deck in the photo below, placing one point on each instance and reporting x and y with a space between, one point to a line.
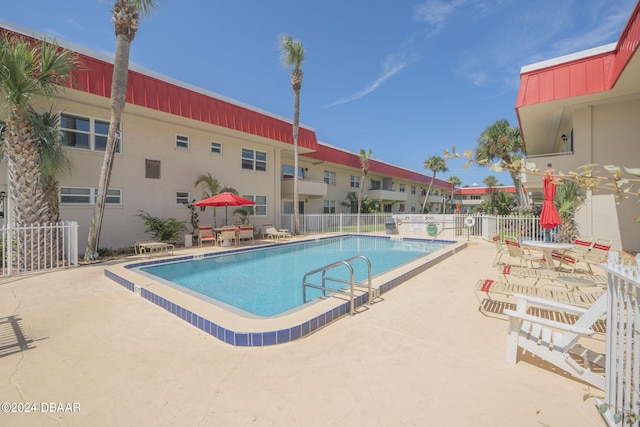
424 355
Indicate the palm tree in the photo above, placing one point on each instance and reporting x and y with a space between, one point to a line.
365 156
568 195
292 54
455 182
126 18
491 182
435 164
210 187
27 70
53 157
501 141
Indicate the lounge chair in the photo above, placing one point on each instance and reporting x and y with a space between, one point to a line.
598 254
580 248
523 254
205 234
552 275
557 342
501 249
246 233
565 296
149 247
229 234
264 228
272 233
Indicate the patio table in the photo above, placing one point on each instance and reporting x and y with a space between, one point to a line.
547 248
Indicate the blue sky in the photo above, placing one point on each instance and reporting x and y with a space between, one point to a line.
407 79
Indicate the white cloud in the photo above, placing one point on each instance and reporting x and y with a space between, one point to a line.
392 65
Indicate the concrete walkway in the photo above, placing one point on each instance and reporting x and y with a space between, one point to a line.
425 356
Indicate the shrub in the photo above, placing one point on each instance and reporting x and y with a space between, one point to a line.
165 230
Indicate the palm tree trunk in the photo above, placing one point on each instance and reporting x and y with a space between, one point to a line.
296 124
426 196
118 97
28 203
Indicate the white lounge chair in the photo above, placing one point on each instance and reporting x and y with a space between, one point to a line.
564 296
557 342
272 233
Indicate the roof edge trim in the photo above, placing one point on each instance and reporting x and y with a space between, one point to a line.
562 60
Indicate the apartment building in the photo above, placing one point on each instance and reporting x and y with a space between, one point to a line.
172 133
583 109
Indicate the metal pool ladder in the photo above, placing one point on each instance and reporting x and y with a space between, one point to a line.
350 282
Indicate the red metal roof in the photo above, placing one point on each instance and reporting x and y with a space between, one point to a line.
484 190
335 155
161 95
581 76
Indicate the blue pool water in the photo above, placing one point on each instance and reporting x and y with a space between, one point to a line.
268 281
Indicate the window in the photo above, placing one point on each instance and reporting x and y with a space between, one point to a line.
152 169
216 147
287 172
476 197
355 181
401 208
330 178
413 189
182 198
182 142
85 133
87 196
413 208
402 189
375 185
260 208
254 160
329 207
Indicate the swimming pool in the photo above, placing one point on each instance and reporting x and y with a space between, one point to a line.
227 325
268 282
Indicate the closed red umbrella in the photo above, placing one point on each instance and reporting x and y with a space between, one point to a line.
549 217
225 199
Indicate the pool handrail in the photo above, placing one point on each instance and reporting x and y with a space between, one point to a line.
350 282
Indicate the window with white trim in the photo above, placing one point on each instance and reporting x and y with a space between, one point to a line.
182 142
413 208
330 177
254 160
87 196
402 188
355 181
260 208
413 189
216 147
329 207
86 133
182 198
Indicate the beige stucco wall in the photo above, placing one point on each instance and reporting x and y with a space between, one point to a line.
607 134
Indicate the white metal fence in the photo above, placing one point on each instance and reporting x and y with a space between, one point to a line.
39 247
449 225
622 371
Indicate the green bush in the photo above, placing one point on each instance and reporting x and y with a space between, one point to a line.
163 230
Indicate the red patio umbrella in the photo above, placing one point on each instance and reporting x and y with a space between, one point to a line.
225 199
549 217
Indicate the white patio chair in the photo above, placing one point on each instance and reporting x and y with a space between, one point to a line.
557 342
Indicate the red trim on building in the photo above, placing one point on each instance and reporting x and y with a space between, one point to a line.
582 76
483 190
157 94
334 155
